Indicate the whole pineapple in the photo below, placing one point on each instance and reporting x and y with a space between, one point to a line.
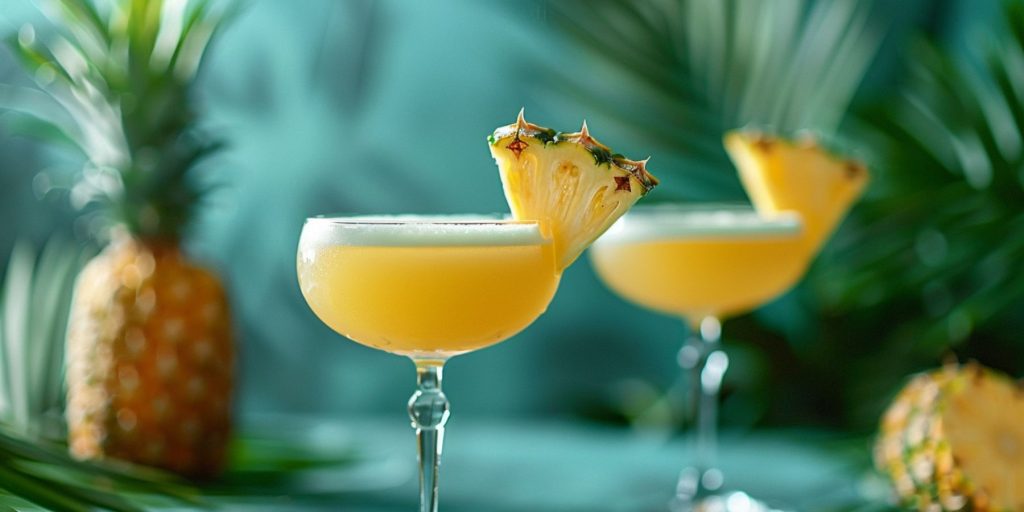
953 440
150 349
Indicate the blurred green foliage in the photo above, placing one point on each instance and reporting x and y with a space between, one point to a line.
39 475
694 69
937 255
114 82
35 294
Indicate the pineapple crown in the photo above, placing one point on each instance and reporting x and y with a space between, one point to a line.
122 73
602 154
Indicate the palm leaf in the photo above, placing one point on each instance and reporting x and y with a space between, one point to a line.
951 143
697 68
36 294
46 476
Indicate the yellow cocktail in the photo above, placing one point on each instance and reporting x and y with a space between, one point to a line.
430 288
426 289
696 262
707 263
703 264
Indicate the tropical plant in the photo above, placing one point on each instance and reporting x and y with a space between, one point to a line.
35 469
695 69
952 198
39 475
937 263
34 304
150 331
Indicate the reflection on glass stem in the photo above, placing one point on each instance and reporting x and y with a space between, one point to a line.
429 411
704 360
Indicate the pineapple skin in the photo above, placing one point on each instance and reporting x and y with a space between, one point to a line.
150 360
914 446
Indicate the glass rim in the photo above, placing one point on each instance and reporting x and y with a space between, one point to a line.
404 219
421 230
702 220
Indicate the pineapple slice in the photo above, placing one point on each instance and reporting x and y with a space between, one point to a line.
781 175
569 182
953 440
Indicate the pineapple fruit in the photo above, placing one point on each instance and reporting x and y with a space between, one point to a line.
953 440
150 360
783 175
569 182
149 341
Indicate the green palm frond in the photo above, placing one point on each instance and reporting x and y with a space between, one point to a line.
119 76
694 69
945 238
34 302
40 475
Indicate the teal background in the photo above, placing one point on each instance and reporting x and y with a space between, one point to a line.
383 107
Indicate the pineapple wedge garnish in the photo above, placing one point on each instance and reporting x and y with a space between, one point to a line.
953 440
573 185
782 175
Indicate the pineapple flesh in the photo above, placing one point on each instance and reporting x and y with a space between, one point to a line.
782 175
573 185
953 440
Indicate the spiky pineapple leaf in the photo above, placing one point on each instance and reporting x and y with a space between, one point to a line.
123 75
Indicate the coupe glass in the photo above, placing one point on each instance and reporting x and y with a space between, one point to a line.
428 288
702 264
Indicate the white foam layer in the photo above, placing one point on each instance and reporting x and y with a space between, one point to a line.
419 231
699 221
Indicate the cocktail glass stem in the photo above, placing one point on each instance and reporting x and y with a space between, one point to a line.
703 359
429 410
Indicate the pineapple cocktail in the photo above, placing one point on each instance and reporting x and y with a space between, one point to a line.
426 287
700 261
430 288
707 263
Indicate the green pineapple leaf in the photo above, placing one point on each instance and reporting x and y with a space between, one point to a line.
121 75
